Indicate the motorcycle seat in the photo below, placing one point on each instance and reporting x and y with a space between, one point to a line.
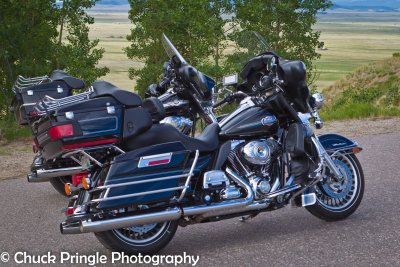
72 82
207 141
129 99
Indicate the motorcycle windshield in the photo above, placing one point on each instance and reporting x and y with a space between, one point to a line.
248 44
171 51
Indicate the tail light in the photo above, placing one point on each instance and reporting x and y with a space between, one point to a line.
77 178
33 114
61 131
70 211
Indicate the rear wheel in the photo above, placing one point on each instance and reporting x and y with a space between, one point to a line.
338 200
59 183
145 239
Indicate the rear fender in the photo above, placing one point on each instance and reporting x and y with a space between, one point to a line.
336 142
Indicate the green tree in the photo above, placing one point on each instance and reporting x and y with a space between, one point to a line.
38 36
77 54
195 27
27 33
286 24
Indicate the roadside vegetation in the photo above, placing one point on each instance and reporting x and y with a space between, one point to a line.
372 90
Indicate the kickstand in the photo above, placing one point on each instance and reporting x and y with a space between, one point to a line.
248 217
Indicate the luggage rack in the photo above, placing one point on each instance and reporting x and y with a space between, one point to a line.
23 82
85 153
184 187
48 103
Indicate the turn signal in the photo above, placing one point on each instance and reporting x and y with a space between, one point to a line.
67 188
356 149
86 183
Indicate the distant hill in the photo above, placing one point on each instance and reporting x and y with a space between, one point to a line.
113 2
364 8
371 90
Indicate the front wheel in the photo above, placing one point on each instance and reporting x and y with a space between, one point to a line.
338 200
145 239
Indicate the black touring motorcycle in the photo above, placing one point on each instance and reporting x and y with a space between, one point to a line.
144 178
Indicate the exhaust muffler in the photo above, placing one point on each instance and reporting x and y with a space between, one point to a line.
203 211
42 175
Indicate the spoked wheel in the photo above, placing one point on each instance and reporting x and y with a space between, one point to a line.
338 200
145 239
59 183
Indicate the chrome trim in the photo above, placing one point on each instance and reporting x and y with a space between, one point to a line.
144 161
226 207
42 175
276 185
106 198
196 157
326 158
70 154
283 191
117 223
141 181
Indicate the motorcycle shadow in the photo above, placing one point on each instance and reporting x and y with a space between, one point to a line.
267 229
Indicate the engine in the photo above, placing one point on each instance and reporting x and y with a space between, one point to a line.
255 160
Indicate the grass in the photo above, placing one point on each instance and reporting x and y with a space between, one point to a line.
354 39
9 130
370 91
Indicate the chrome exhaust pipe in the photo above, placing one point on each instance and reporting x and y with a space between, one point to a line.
42 175
167 215
110 224
203 211
70 229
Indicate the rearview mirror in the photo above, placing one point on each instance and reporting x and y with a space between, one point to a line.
318 100
230 80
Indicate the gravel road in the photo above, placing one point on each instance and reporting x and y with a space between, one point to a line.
31 213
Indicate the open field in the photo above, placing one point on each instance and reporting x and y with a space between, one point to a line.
352 39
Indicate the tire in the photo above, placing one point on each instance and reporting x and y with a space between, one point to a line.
334 206
59 184
117 240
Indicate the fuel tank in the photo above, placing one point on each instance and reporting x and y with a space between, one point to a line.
252 122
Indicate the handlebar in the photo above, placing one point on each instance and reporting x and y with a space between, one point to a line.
229 98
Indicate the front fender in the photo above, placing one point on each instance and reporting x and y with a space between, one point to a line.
336 142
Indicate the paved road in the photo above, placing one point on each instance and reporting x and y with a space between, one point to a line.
30 215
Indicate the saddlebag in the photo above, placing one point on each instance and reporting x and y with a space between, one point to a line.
155 174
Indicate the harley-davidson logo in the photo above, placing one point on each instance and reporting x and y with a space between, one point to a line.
268 120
